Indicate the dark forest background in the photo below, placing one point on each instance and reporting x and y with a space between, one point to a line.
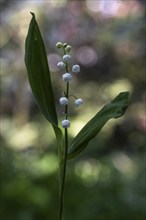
108 180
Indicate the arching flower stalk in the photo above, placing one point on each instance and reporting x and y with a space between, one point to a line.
64 101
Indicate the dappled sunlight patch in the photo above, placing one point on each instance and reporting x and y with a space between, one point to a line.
21 137
57 3
110 90
46 165
88 171
91 171
113 8
124 164
76 126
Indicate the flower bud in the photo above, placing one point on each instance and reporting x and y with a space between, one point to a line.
78 102
59 45
63 101
61 65
68 48
66 58
76 68
67 77
65 45
65 123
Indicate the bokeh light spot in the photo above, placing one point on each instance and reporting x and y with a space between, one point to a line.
87 56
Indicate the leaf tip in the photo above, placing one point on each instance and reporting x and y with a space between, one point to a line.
33 14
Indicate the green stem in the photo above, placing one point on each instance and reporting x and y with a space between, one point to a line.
63 176
63 161
63 167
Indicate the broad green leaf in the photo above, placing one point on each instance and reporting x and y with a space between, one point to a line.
39 74
116 108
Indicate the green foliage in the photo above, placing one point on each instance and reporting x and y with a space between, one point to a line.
40 81
28 194
39 75
115 109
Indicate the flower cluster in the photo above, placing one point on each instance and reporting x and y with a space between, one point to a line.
67 77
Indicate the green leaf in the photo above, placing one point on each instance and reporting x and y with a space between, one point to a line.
115 109
39 74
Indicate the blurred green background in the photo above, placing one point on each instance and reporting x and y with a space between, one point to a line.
108 180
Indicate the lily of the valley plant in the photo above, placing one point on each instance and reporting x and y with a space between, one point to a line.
41 85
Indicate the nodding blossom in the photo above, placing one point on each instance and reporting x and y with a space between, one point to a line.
61 65
78 102
65 123
65 45
59 45
66 58
68 48
67 77
63 101
76 68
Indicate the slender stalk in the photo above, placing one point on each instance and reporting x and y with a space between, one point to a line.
64 159
63 167
63 176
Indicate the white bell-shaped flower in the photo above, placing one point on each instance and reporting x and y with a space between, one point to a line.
78 102
63 101
67 77
66 58
61 65
65 123
76 68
